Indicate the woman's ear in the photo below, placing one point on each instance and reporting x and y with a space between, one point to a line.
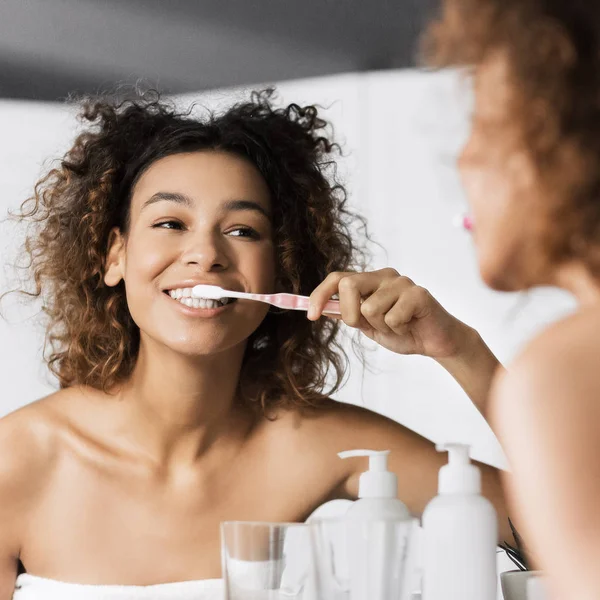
115 258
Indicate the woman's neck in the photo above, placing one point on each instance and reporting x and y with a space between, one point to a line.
178 407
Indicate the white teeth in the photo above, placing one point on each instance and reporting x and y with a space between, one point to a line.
184 295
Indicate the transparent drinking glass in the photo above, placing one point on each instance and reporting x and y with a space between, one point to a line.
266 561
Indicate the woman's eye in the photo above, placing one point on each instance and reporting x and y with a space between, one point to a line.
171 224
245 232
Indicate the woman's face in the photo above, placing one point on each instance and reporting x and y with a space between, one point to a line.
201 217
502 187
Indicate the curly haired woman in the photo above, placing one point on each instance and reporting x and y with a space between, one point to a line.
531 170
175 415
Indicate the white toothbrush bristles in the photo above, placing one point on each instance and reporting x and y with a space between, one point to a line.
208 292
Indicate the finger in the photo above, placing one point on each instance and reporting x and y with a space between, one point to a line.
323 293
349 292
366 283
414 304
377 305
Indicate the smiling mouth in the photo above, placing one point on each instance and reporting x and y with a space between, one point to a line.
184 296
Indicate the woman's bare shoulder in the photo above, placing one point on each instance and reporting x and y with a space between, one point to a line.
556 375
28 450
572 336
567 350
28 438
30 441
328 412
340 426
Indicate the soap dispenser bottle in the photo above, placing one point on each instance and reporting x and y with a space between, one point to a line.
460 534
377 490
372 544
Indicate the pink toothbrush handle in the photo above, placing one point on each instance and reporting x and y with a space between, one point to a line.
332 308
294 302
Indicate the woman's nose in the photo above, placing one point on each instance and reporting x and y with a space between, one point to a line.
207 254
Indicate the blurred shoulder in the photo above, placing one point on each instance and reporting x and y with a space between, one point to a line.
566 353
556 376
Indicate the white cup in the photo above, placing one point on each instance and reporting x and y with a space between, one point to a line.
536 588
514 584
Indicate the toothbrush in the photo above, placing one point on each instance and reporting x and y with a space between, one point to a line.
289 301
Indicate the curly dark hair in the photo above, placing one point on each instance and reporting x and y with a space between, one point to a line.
91 338
552 49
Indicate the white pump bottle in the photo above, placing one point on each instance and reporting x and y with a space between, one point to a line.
460 534
377 490
372 529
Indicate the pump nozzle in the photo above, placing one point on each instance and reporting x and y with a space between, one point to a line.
458 454
377 458
377 482
459 475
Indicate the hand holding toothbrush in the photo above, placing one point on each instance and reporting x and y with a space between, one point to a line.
405 318
391 310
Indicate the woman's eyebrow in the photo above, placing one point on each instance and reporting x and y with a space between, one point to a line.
244 205
168 197
228 206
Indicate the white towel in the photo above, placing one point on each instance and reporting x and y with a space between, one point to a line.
30 587
245 576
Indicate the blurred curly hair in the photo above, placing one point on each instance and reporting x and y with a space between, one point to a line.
91 338
552 49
